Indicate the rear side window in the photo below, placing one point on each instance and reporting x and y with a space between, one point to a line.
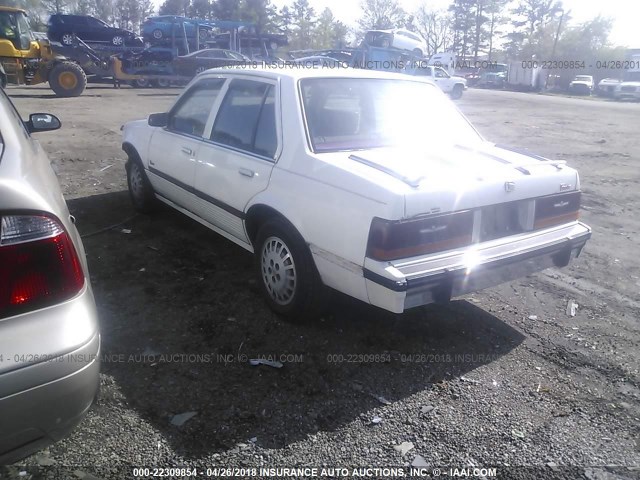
246 119
190 115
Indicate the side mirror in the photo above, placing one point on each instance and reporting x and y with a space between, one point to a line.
158 120
42 122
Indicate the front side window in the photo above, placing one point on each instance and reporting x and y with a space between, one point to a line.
190 115
246 119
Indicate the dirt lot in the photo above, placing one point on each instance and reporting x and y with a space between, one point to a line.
502 378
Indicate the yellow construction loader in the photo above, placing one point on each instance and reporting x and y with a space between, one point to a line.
27 61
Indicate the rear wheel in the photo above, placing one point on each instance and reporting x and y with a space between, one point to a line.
140 190
163 83
287 274
157 34
118 40
67 79
456 93
203 34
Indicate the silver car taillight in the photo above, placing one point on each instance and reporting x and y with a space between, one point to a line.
39 265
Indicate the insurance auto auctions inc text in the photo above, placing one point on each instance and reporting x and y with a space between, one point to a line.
360 472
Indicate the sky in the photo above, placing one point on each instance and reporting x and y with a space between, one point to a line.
625 13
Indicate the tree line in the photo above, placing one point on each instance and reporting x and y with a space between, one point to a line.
473 29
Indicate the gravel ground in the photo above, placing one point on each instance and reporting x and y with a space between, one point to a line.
502 378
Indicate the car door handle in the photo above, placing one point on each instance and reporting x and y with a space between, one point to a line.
246 172
187 150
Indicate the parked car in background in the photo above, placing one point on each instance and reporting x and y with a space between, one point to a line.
49 338
62 28
161 27
451 85
201 60
368 182
397 38
582 85
629 88
493 76
607 86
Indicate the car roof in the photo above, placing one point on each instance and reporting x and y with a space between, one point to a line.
276 71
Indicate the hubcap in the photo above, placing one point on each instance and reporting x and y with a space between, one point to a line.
67 39
157 34
278 271
136 182
118 40
67 80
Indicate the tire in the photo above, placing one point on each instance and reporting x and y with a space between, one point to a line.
67 39
140 190
141 83
157 34
286 272
200 70
163 83
67 79
118 41
417 52
456 93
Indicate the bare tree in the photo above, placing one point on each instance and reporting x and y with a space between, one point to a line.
435 28
381 14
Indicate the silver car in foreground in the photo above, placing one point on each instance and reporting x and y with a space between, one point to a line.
49 337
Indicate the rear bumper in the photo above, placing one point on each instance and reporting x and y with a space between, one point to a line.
49 376
399 285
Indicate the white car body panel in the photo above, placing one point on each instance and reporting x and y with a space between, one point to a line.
627 90
332 198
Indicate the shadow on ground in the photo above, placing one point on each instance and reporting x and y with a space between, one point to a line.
181 315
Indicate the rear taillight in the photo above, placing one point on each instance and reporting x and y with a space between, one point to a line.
39 265
556 210
390 240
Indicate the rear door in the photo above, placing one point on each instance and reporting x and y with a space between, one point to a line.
235 162
173 150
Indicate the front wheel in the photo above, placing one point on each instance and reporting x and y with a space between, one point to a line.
287 274
67 79
66 39
140 190
456 93
118 40
141 83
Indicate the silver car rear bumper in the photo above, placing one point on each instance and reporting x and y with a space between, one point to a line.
44 394
404 284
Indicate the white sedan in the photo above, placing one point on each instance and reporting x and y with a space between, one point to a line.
367 182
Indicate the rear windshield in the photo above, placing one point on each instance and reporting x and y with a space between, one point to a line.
355 114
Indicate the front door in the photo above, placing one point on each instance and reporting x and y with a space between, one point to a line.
173 150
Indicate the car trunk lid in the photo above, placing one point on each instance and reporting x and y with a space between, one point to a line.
459 177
